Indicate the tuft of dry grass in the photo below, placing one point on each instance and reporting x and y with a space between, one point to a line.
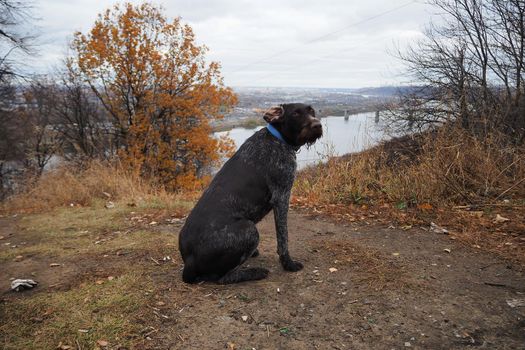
70 186
445 167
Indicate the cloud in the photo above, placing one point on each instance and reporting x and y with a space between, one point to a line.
269 43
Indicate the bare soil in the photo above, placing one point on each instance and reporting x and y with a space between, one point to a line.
364 286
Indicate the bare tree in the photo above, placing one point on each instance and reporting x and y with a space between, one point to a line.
15 38
12 132
42 141
82 122
472 64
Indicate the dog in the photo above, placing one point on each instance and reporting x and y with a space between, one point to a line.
219 235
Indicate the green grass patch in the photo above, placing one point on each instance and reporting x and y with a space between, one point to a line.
77 317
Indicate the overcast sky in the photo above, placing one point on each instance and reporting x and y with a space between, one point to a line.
286 43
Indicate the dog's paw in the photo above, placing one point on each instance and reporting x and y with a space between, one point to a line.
260 273
290 265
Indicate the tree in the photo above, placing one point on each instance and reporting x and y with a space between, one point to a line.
472 66
42 141
155 83
13 40
82 124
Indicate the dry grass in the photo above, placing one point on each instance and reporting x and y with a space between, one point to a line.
441 168
77 318
423 178
68 186
76 304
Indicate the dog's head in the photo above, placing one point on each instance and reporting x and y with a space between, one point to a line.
296 122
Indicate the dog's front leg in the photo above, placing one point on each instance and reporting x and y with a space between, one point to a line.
280 213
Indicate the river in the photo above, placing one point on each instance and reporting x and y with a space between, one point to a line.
340 136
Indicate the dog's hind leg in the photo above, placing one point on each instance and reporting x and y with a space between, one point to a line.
241 248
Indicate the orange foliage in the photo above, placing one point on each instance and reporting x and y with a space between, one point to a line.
159 90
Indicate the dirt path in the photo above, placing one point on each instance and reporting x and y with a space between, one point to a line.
393 289
363 287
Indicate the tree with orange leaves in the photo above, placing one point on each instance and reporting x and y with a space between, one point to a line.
160 92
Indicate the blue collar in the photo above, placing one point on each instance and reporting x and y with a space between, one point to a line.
275 132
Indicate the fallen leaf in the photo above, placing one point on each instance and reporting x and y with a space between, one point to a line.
438 229
395 254
447 250
425 206
54 265
516 303
102 343
500 219
99 282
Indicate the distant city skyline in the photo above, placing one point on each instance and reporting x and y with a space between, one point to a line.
303 44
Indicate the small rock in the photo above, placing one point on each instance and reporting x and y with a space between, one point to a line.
54 265
407 344
108 196
19 258
111 278
109 205
395 254
447 250
332 269
244 318
153 223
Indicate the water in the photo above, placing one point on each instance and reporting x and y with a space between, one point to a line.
340 136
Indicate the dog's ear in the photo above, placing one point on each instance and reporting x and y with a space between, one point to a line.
274 114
